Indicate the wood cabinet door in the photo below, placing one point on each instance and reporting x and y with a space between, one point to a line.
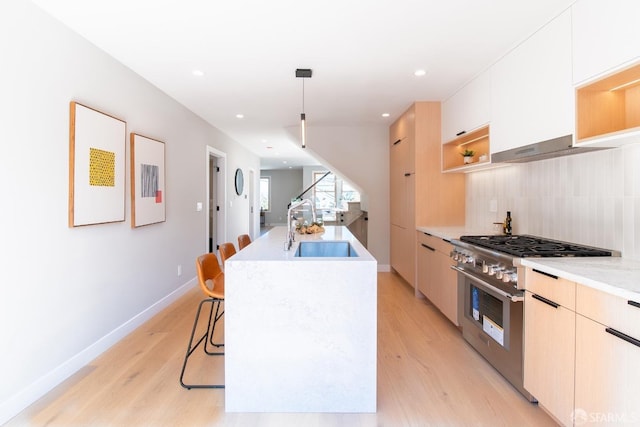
427 270
549 355
403 253
605 36
398 183
532 93
448 287
607 376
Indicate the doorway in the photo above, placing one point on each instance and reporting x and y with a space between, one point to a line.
252 203
216 198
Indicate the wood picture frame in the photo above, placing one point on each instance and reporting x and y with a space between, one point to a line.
147 181
97 143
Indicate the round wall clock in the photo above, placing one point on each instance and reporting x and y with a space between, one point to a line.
239 182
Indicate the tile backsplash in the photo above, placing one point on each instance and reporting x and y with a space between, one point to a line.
591 198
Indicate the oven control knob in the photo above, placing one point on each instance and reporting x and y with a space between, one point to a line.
456 256
499 273
492 270
506 277
485 267
470 259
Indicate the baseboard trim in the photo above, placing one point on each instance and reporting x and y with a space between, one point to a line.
30 394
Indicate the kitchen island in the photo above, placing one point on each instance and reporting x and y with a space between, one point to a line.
300 332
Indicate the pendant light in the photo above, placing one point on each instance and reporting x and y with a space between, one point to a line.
303 73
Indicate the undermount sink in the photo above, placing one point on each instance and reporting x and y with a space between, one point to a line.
326 248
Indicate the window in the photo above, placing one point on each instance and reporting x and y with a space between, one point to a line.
265 193
332 193
324 192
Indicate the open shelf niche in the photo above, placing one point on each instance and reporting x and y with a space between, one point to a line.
608 110
477 141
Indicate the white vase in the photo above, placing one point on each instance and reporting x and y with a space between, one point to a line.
467 159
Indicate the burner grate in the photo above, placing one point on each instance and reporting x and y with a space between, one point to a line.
531 246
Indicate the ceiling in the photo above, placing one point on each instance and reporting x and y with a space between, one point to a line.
363 55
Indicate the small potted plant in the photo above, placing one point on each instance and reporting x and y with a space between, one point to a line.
468 155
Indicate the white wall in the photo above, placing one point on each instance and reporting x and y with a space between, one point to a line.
67 294
591 198
360 155
285 185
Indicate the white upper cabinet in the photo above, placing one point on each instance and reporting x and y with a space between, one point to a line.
467 109
532 92
605 36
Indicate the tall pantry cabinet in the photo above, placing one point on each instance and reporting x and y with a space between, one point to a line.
421 195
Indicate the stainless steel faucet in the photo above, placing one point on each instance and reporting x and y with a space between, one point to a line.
291 230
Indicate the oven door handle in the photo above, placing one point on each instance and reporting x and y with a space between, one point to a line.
513 298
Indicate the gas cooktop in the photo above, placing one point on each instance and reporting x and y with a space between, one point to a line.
531 246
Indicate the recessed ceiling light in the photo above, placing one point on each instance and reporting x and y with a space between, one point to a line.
198 73
385 114
420 73
284 161
269 147
240 116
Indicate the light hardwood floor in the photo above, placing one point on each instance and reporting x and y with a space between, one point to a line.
427 376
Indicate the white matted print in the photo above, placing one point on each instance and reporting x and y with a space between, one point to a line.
97 162
147 181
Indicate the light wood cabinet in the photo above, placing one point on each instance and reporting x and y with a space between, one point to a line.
607 357
607 375
420 193
582 366
549 343
436 280
532 92
467 109
605 36
402 201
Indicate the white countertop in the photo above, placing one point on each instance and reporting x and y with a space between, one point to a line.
270 246
615 275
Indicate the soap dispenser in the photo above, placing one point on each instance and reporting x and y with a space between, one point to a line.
507 224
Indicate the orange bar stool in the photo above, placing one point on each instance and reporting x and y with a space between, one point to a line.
243 241
211 280
227 250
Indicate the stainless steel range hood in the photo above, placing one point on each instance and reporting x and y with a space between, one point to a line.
557 147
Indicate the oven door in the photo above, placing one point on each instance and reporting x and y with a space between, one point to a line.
486 311
491 321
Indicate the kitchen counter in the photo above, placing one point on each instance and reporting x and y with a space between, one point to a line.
454 232
300 333
615 275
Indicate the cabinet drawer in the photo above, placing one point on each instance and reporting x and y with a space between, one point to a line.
555 289
435 243
610 310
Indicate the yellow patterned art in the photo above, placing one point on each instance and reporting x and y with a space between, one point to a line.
102 168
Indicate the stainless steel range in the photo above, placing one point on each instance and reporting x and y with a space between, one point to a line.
491 293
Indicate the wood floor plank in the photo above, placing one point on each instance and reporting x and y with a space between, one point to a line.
427 376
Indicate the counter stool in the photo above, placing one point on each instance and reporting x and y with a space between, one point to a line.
243 241
211 280
227 250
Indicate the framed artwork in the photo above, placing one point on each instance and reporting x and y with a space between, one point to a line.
97 143
147 181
